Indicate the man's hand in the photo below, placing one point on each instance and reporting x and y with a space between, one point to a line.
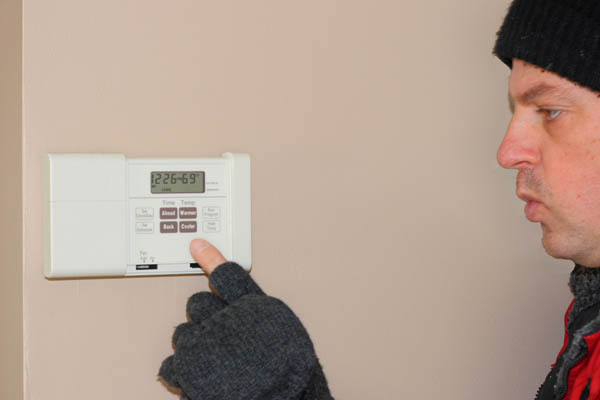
240 343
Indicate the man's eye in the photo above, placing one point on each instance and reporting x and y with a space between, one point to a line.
551 114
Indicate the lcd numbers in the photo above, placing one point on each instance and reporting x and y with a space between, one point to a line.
177 182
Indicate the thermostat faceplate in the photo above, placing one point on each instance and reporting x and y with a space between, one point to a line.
112 216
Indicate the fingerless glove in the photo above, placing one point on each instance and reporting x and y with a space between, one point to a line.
242 344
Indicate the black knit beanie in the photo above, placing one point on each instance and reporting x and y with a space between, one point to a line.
562 36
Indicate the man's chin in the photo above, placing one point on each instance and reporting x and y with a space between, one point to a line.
555 246
567 243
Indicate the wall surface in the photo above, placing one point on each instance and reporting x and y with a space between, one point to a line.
379 213
11 200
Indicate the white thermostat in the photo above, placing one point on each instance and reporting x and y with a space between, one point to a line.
108 215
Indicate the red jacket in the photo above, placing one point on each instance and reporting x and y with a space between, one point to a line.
576 373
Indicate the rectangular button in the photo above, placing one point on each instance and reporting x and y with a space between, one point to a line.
144 227
211 212
168 227
188 226
168 213
211 226
188 212
144 267
144 212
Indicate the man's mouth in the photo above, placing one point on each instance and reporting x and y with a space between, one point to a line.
531 210
532 206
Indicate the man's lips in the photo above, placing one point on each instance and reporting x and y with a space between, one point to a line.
533 204
527 197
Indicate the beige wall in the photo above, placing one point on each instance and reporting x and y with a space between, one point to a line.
11 195
379 212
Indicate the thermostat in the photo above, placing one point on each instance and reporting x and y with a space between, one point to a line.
108 215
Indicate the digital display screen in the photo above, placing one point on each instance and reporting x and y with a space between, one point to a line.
177 182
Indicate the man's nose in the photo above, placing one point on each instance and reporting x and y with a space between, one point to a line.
519 148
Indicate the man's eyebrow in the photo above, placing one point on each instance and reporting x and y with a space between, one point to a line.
536 91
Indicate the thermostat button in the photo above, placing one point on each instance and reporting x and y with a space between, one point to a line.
144 212
168 213
144 227
188 226
211 212
168 227
211 226
188 212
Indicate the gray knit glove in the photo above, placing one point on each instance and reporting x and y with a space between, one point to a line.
242 345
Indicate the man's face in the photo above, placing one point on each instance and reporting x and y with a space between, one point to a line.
553 140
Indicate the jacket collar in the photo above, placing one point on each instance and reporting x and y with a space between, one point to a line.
583 320
585 286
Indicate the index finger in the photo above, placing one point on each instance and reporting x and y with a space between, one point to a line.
206 255
230 281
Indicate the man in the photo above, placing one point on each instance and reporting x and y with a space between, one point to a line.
553 140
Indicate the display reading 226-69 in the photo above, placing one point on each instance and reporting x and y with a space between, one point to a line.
177 182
